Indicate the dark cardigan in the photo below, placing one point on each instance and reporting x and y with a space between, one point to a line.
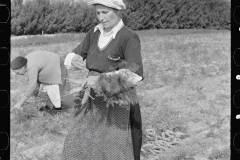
125 47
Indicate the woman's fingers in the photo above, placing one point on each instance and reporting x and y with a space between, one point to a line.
91 80
74 81
81 82
77 64
74 90
87 81
84 82
76 57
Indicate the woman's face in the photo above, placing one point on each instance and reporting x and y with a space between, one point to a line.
107 16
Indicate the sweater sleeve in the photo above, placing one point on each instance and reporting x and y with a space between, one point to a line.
82 48
33 85
133 56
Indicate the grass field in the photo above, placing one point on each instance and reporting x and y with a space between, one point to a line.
185 97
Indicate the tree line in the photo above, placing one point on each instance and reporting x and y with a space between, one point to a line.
48 17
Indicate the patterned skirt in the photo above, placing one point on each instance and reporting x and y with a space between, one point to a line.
99 132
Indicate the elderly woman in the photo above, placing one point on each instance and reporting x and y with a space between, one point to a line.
48 70
108 125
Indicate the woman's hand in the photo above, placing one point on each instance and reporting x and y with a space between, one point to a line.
76 81
74 90
88 83
92 80
77 62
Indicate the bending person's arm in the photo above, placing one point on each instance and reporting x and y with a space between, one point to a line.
19 103
32 90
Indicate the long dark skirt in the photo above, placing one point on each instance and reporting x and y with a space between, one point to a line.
104 133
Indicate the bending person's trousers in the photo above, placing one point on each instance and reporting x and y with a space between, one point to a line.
136 129
66 101
58 93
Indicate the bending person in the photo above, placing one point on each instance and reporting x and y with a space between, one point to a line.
48 69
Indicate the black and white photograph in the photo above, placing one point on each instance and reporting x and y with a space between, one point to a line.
120 80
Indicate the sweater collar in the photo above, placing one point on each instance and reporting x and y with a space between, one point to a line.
113 32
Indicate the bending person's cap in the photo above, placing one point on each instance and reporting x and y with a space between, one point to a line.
18 62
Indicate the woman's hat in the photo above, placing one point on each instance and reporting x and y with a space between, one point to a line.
18 62
116 4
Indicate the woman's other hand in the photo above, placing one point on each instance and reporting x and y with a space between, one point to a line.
92 80
77 62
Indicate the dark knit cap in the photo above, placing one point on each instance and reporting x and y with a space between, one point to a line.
18 62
